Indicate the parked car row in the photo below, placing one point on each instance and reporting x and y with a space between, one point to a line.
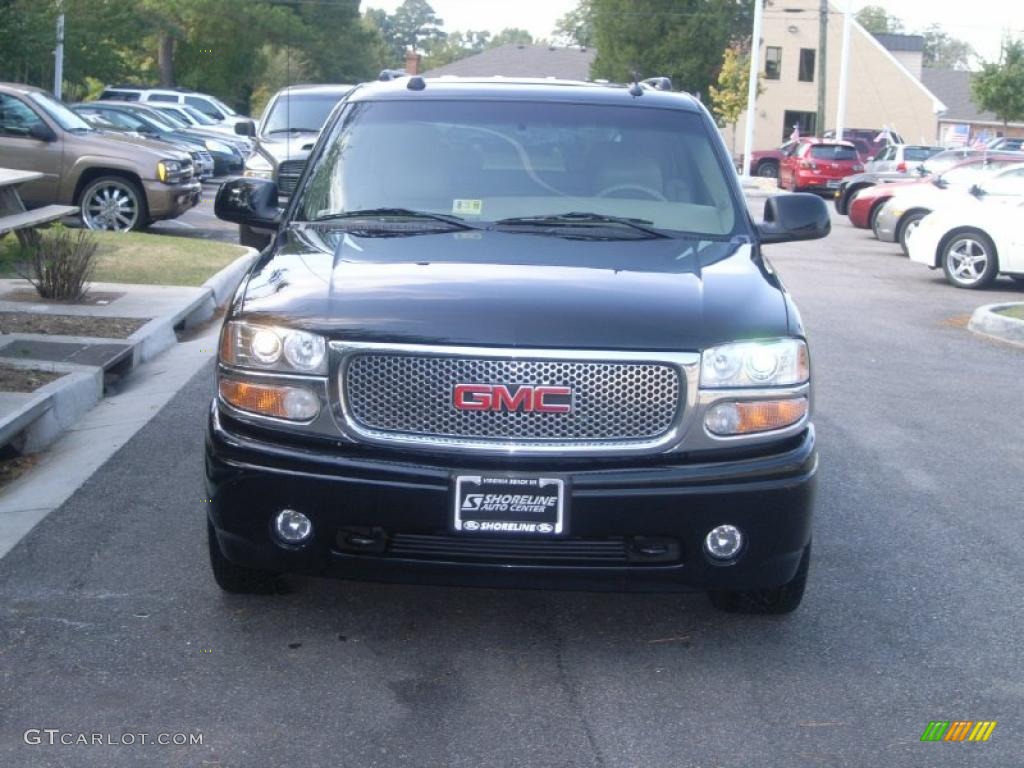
960 212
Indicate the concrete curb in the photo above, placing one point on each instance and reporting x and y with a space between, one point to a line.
987 321
55 407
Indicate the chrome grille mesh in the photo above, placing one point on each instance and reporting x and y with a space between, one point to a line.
412 395
288 175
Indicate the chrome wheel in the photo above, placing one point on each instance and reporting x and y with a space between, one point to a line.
111 204
969 261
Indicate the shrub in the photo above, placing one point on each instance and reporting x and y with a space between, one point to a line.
59 262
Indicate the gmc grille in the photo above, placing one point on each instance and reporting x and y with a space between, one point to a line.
405 396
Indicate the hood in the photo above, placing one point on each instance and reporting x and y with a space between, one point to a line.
121 144
484 288
294 146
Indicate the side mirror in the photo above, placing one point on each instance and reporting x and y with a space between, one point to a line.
796 216
41 132
248 201
246 128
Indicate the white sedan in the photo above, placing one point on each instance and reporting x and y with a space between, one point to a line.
975 236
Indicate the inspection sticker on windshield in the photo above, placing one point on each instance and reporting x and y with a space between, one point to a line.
467 207
503 505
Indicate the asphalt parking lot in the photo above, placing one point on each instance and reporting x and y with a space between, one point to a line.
111 622
200 221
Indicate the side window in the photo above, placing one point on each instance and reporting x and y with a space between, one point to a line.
806 73
166 97
204 106
16 118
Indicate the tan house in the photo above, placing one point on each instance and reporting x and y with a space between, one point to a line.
883 88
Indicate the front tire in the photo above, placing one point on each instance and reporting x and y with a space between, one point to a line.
969 260
773 600
237 579
113 203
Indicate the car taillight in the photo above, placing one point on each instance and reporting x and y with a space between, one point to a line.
902 167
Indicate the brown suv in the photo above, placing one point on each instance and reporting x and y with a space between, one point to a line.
119 183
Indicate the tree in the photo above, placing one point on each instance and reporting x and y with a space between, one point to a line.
416 26
999 86
941 51
577 26
511 35
729 97
682 39
877 21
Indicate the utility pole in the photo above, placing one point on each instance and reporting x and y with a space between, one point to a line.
844 69
819 128
755 66
58 53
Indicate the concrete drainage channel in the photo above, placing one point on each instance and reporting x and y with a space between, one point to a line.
93 366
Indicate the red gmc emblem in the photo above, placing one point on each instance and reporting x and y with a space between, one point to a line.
526 398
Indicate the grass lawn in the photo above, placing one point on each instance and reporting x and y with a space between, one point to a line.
135 257
1016 311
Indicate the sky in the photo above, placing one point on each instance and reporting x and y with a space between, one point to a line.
982 23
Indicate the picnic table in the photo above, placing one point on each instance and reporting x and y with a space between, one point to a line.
14 217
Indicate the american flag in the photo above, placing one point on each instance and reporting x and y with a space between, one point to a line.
957 135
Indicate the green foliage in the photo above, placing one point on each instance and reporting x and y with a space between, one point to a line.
878 21
999 86
941 51
577 26
682 39
216 46
729 97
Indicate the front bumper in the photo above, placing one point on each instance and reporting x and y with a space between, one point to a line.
393 499
167 201
886 224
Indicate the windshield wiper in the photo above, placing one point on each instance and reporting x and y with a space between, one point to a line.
292 130
401 213
575 218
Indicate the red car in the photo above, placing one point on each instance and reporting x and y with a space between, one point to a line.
869 201
766 162
818 165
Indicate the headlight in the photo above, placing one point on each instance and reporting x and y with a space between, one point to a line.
258 167
169 171
273 348
772 363
217 146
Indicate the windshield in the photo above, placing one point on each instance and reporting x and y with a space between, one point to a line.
299 112
489 161
161 120
222 106
198 116
912 154
173 118
944 160
63 116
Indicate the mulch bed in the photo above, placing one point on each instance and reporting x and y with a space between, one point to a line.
24 380
70 325
12 467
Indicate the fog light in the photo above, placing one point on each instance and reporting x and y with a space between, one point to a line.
723 542
292 527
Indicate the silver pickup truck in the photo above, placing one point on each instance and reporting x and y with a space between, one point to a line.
283 140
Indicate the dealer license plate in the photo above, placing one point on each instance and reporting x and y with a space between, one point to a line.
510 505
832 184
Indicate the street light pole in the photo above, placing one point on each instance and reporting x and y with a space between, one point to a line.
755 65
822 65
58 53
844 68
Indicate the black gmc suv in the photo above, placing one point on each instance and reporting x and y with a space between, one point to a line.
516 333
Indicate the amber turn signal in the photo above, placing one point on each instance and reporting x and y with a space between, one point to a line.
732 418
274 400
